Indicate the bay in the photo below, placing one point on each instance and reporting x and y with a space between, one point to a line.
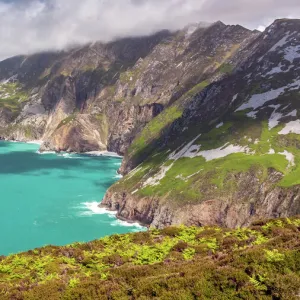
53 198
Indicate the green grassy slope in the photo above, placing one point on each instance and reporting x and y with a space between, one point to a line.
187 177
259 262
12 96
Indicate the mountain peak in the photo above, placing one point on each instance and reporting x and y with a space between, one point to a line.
219 23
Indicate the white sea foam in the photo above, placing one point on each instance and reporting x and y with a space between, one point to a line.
71 156
103 153
35 142
119 176
126 224
45 152
92 208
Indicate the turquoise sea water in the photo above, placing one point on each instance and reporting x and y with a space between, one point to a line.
52 199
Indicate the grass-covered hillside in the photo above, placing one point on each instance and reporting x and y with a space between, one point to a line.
12 96
259 262
206 164
226 154
249 124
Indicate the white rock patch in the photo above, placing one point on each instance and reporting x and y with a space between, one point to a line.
271 151
133 172
277 70
252 114
275 117
291 127
222 152
180 177
179 65
188 177
291 53
274 120
282 42
289 156
292 113
176 155
220 125
192 151
155 180
258 100
234 98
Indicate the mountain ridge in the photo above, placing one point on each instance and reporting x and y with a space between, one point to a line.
155 198
179 107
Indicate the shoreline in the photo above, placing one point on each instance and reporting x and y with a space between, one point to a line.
133 222
92 154
143 225
96 208
88 153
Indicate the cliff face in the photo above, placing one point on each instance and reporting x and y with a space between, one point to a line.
253 200
227 154
100 96
207 119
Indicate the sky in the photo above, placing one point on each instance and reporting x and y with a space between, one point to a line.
29 26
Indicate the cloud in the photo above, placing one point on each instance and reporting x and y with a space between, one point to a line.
28 26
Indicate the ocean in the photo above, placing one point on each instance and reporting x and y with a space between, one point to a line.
52 199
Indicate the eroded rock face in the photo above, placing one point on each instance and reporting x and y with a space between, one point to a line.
178 106
126 83
128 122
253 201
218 161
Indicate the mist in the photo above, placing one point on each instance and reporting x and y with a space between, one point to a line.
28 26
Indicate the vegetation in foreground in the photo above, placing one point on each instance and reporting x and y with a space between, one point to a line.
259 262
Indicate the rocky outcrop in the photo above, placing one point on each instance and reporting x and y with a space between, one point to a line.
253 201
127 122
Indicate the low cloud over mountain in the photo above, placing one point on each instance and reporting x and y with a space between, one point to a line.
34 25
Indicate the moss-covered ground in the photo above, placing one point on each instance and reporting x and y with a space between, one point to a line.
12 96
259 262
154 129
